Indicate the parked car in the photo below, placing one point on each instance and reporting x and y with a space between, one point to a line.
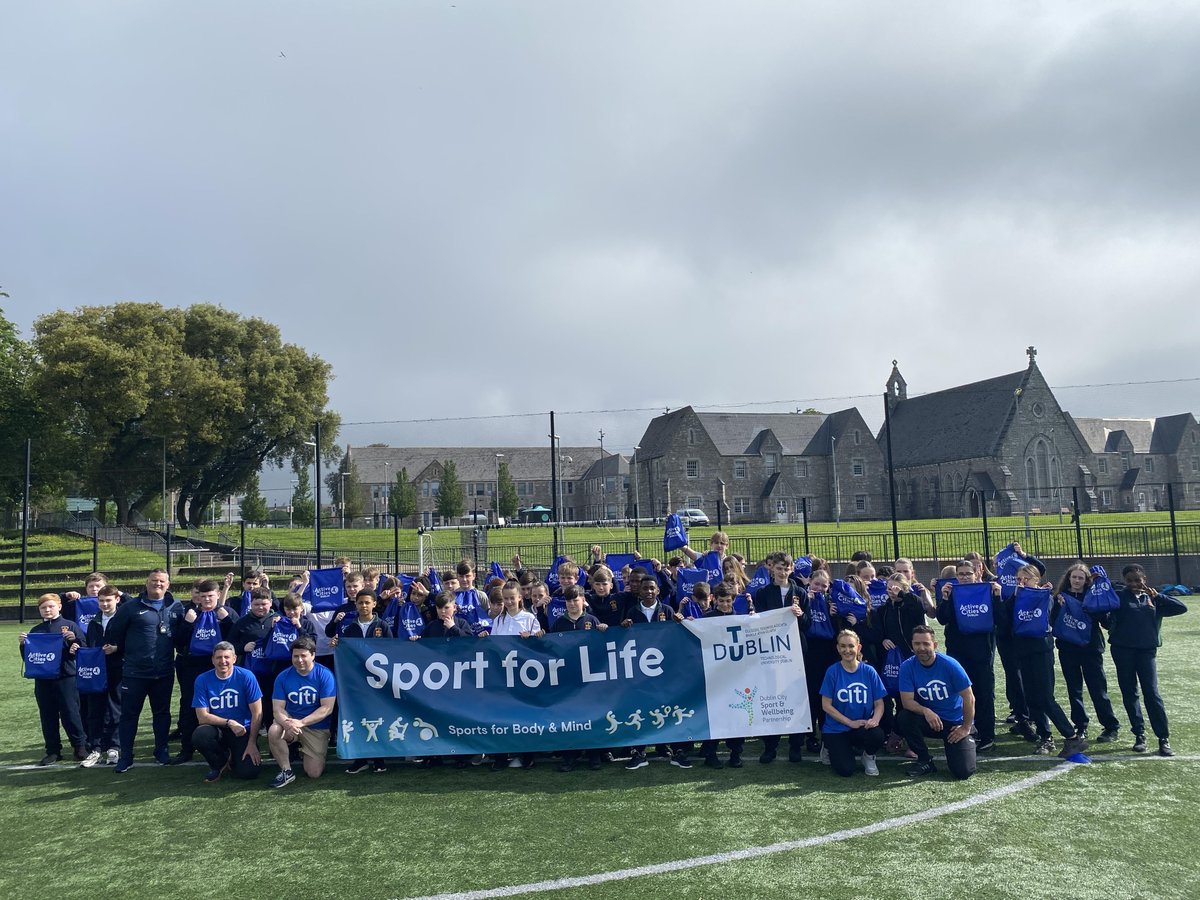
692 516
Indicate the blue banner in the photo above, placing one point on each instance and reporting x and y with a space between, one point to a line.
726 676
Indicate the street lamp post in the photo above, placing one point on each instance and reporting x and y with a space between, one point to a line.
342 497
499 456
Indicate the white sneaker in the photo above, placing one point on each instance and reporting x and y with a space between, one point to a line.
869 766
824 755
515 763
90 760
113 755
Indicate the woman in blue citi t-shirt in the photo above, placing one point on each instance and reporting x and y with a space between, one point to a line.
852 696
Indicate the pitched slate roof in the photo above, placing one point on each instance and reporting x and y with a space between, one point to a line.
1169 432
1104 435
964 422
612 464
735 434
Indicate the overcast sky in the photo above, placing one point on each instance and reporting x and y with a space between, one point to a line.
480 208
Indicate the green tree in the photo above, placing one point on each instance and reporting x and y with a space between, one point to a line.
354 502
222 393
507 491
450 500
304 509
254 504
21 419
402 501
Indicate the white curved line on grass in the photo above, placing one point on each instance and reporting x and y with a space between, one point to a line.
753 852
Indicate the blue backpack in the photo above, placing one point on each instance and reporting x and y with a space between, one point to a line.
674 534
891 670
43 654
877 593
1073 624
819 623
86 609
1101 598
279 641
1031 612
206 634
846 600
973 608
91 670
326 590
685 580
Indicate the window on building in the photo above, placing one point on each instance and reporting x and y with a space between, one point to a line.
1195 464
695 503
858 467
1149 465
691 437
693 468
1102 463
860 502
739 468
570 485
1105 497
781 506
801 468
770 463
857 437
742 505
1125 462
610 511
424 488
434 487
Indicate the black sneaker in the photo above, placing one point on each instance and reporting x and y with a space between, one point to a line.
813 744
681 761
180 759
122 766
1073 745
1139 743
163 757
358 767
284 778
1107 736
767 756
1045 747
985 746
595 764
921 769
1081 732
212 776
795 754
1011 719
735 760
713 762
637 761
378 766
49 759
1164 748
566 766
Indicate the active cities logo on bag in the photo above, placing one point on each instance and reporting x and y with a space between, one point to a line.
972 608
325 589
43 655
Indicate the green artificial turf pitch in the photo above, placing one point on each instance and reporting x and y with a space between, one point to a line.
1119 828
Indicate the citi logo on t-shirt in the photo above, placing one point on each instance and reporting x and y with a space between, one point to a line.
227 699
934 690
306 696
853 693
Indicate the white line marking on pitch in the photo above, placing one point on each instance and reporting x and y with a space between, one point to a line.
753 852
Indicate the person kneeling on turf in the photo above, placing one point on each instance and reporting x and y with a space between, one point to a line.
852 695
228 705
938 702
302 701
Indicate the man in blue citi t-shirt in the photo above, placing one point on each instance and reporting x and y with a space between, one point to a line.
938 702
302 701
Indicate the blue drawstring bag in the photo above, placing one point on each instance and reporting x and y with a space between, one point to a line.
685 580
762 577
1073 624
555 609
803 567
325 591
617 561
495 571
646 566
674 534
1008 563
891 670
468 605
973 610
877 593
91 670
1101 598
257 659
86 609
43 653
406 621
938 585
846 600
741 604
1031 612
552 573
279 641
435 583
690 609
244 604
710 562
206 634
819 623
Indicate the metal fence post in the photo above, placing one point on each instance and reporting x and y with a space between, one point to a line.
1174 533
1078 520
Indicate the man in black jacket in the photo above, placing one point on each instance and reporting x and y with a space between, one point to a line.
143 632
